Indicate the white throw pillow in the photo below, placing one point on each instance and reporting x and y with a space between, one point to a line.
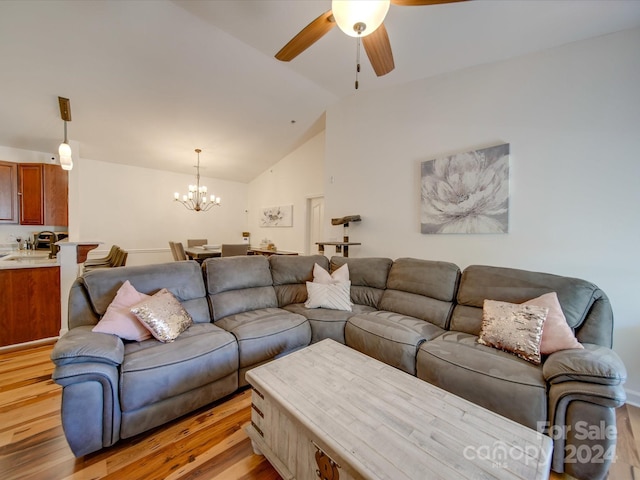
336 296
320 275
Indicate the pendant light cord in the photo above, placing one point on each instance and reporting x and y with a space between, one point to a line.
357 62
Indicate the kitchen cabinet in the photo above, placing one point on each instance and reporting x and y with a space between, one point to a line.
8 192
29 304
44 194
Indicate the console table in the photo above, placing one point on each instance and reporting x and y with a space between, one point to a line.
341 247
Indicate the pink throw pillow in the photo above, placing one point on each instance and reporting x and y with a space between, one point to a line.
118 319
556 333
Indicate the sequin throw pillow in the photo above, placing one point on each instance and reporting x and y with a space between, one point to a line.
513 328
163 315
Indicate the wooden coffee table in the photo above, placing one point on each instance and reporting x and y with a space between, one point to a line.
330 412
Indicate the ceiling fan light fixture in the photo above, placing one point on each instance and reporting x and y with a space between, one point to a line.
352 15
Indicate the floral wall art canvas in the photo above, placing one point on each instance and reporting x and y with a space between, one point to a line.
281 216
466 192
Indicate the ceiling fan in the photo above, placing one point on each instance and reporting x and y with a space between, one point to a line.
357 18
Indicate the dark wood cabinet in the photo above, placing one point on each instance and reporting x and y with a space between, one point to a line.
31 192
44 194
29 304
56 196
8 192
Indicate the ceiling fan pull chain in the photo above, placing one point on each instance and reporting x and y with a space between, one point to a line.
357 62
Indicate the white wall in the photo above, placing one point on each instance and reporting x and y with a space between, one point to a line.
572 118
133 207
293 180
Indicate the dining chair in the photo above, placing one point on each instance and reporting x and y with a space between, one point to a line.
180 255
233 250
120 259
196 242
172 246
103 261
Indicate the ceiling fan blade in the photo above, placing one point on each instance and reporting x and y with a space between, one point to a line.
378 50
307 37
418 3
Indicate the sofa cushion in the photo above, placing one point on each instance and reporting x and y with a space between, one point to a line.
290 274
239 284
429 278
488 377
423 289
327 323
265 333
368 278
182 279
517 286
390 337
153 371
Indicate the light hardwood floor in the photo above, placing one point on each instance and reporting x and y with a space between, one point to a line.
208 444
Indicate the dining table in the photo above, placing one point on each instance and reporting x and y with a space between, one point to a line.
201 253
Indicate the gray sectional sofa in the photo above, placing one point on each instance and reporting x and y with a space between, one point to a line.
420 316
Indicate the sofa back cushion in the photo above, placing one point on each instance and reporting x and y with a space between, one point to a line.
368 278
95 290
238 284
290 274
422 289
584 305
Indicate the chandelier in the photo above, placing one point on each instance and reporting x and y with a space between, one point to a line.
197 199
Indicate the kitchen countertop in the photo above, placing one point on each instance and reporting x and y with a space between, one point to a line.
26 259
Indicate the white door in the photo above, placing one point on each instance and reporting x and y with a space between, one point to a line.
315 221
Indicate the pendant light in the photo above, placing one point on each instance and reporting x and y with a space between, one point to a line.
64 150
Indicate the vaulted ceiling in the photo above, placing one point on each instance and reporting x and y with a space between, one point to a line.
150 81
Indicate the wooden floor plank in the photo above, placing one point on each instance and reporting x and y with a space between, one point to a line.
209 443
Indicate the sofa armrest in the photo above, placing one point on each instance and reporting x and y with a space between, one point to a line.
81 345
90 410
593 364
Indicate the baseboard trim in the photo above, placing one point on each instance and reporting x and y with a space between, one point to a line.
27 345
633 397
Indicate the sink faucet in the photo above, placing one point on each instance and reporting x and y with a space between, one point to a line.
53 238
